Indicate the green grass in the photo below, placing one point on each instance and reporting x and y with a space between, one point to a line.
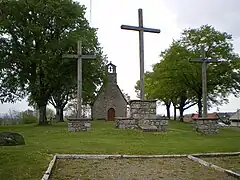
31 160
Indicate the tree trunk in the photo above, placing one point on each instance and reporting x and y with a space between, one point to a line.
42 115
175 112
168 110
181 110
59 114
199 106
183 100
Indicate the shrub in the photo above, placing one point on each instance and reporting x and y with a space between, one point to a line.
28 119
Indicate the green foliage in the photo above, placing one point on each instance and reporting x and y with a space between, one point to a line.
174 79
31 161
34 36
28 119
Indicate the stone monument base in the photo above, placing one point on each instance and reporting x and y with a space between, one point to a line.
143 116
206 125
79 124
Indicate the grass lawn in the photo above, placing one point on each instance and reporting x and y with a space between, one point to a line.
30 161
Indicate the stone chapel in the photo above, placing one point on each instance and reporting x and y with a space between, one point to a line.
110 101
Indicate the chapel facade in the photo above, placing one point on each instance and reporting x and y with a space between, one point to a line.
110 101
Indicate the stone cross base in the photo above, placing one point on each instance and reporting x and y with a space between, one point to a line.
207 125
143 116
76 125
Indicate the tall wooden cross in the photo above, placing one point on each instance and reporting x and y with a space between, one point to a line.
79 56
141 30
204 62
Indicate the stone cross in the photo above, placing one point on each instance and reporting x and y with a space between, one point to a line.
79 56
141 30
204 62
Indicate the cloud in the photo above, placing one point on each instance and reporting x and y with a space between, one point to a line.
224 15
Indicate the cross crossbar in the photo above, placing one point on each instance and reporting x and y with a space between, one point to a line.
70 56
75 56
135 28
201 60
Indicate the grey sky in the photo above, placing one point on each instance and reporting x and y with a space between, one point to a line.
171 16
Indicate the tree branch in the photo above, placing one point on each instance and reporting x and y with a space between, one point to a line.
189 106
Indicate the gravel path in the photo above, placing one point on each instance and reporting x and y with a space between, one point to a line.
134 169
230 162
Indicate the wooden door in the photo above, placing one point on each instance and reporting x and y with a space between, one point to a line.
111 114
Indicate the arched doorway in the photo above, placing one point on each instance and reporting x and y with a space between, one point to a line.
111 114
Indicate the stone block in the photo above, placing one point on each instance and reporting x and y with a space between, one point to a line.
163 128
87 125
143 116
206 125
146 104
163 122
199 121
148 128
125 123
78 125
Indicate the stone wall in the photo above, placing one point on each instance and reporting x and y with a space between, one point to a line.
126 123
206 125
142 109
130 123
77 125
161 124
143 116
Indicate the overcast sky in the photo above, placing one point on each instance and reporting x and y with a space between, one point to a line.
171 16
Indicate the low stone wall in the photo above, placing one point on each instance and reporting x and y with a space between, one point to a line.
206 125
130 123
76 125
126 123
161 124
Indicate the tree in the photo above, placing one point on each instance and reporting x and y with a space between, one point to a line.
35 35
154 91
222 77
164 85
168 75
66 81
175 80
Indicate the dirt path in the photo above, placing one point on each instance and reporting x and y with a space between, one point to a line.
135 169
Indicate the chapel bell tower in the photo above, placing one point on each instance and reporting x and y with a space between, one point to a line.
112 74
